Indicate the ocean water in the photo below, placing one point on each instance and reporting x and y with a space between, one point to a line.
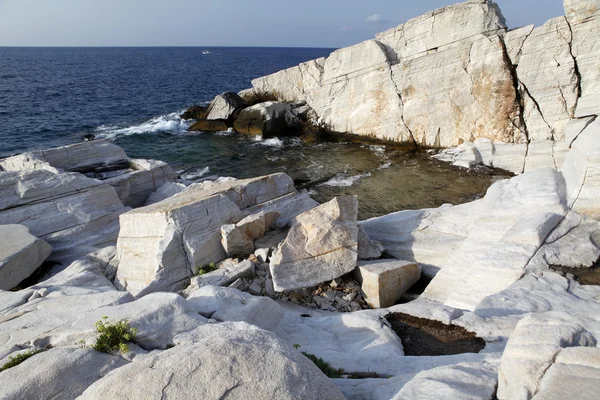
134 96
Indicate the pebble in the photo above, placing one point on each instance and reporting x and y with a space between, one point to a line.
238 283
255 289
262 255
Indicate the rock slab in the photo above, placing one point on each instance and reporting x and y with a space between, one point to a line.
322 245
21 253
385 281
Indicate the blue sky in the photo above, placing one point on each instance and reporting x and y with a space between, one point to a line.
309 23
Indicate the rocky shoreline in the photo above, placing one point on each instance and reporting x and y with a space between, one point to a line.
157 287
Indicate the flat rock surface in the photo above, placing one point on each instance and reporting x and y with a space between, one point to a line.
20 254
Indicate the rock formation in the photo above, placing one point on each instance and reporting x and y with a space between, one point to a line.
524 100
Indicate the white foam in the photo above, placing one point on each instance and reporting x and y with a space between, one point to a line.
343 180
171 123
273 142
195 173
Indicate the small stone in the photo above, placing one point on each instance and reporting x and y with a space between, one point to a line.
296 296
341 302
253 258
43 292
262 255
237 284
349 297
329 295
335 283
318 301
325 306
285 298
255 289
261 273
269 289
355 306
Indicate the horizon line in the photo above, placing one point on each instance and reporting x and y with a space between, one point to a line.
163 46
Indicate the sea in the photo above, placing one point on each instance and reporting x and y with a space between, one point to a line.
134 97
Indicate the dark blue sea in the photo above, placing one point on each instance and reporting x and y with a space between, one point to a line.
134 96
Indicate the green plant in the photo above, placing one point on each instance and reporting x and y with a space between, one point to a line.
19 358
324 366
296 346
205 269
113 336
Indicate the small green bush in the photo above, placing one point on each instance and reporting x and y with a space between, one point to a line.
205 269
19 358
324 366
113 336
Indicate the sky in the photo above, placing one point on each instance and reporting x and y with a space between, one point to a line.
280 23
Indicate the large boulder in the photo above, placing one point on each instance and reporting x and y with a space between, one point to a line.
134 180
533 348
584 20
160 246
266 119
62 373
237 362
224 106
321 245
74 214
80 157
550 85
21 253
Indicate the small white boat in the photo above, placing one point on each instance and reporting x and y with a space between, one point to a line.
206 52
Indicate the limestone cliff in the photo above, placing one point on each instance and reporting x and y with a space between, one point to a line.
457 74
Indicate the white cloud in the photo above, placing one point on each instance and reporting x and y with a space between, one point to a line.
375 19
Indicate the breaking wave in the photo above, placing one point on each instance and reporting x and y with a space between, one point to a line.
170 123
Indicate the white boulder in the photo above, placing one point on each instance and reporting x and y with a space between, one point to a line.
20 254
384 281
322 245
160 246
258 365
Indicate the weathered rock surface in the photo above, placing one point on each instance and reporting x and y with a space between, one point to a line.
321 245
62 373
74 214
575 369
224 276
165 191
385 281
20 254
533 348
134 188
238 240
86 156
258 365
224 107
266 119
584 19
160 245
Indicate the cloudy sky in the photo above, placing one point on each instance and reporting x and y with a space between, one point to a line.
306 23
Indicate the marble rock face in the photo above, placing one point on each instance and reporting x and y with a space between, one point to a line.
240 362
322 245
533 348
383 282
20 254
74 214
160 246
224 107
